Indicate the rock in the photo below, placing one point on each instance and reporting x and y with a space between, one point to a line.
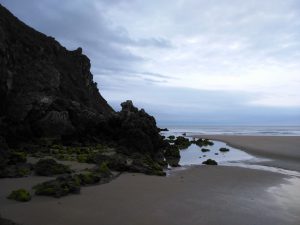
205 150
17 157
104 170
15 171
172 151
224 149
14 164
59 187
163 129
45 90
49 167
182 142
210 162
172 155
20 195
87 178
173 162
171 137
202 142
47 95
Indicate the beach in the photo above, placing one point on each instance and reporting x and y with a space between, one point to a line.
208 195
284 151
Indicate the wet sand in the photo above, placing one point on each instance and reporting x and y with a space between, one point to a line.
283 150
208 195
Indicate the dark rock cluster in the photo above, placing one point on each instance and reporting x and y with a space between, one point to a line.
48 96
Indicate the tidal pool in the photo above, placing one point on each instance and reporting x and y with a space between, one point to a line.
194 156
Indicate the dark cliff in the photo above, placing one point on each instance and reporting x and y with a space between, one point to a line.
43 86
48 93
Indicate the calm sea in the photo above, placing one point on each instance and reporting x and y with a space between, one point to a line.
235 130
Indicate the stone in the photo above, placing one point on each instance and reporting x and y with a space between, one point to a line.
49 167
210 162
20 195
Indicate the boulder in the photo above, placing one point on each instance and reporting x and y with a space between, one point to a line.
182 142
210 162
20 195
224 149
61 186
49 167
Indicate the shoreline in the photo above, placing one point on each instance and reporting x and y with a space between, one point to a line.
283 151
199 195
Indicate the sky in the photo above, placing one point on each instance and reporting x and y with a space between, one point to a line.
196 62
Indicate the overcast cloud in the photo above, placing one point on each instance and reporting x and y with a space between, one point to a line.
212 62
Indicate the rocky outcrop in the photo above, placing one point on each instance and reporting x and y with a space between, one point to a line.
133 129
45 90
48 96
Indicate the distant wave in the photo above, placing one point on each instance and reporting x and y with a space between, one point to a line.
253 130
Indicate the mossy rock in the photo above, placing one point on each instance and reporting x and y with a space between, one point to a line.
171 137
20 195
205 150
172 151
224 149
82 158
59 187
87 178
104 170
23 171
49 167
182 142
203 142
210 162
14 171
173 162
17 157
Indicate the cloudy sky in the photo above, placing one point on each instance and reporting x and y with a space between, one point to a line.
185 61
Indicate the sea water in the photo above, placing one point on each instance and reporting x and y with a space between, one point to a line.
235 130
193 155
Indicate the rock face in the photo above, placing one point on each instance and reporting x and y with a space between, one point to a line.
45 90
47 94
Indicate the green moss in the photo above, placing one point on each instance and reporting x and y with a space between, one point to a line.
20 195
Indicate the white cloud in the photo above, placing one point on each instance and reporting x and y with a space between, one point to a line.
212 56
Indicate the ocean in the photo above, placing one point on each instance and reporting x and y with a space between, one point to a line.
235 130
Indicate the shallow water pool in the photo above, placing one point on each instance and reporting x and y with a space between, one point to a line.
194 156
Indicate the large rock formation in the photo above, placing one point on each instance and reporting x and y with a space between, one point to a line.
47 93
45 90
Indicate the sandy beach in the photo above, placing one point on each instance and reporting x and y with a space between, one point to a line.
208 195
200 195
